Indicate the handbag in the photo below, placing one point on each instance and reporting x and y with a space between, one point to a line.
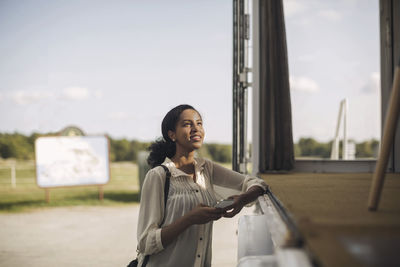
135 262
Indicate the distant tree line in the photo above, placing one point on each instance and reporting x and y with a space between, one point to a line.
20 146
309 147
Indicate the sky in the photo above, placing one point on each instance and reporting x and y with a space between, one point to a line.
117 67
333 51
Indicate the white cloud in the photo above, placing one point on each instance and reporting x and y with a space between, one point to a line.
98 94
373 84
303 84
118 115
310 11
311 57
306 58
330 14
293 7
75 93
28 97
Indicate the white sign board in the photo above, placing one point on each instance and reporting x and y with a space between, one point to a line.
72 161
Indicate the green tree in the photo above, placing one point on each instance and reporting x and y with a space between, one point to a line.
15 146
307 146
310 147
297 150
120 149
220 152
367 149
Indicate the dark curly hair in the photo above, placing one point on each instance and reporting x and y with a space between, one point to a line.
164 146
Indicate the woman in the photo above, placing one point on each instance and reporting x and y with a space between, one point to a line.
180 234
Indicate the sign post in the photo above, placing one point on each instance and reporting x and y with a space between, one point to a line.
47 193
101 193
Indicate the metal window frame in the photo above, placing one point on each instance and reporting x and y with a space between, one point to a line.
388 53
241 36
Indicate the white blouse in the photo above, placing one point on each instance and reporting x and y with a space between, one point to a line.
193 246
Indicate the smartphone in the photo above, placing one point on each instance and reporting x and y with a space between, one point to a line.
224 203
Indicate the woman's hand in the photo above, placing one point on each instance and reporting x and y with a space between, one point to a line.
203 214
235 208
199 215
241 200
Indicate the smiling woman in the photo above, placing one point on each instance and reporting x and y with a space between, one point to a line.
189 133
177 200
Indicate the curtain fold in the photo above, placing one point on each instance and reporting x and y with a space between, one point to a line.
276 138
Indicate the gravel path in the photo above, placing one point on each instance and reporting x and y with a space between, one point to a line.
89 236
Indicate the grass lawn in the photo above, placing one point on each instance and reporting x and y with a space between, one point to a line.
123 188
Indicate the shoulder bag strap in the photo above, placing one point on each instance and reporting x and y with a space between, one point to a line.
166 185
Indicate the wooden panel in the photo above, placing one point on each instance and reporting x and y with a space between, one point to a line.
330 211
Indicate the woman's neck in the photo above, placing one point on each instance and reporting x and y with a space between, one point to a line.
185 162
183 159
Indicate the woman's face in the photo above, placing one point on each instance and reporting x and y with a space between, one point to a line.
189 132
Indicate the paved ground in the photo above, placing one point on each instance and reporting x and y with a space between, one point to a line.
89 236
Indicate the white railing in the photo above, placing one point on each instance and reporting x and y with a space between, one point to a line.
13 176
348 148
13 167
263 240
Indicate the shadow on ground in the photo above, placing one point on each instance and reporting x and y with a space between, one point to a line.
126 197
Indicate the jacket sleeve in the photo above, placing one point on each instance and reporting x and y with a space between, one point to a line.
151 213
227 178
